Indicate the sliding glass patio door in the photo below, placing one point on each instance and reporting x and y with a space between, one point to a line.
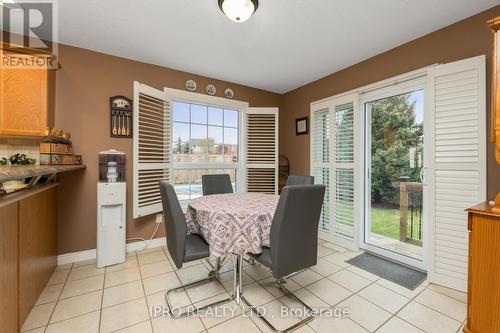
395 164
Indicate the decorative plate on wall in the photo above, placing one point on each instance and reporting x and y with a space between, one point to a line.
229 93
191 85
211 89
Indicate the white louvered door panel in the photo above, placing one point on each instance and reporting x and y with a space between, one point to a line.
152 147
343 170
459 167
261 150
333 158
320 159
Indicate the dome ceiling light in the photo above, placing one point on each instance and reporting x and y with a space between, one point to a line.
238 10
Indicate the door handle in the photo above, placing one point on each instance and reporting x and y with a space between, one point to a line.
422 176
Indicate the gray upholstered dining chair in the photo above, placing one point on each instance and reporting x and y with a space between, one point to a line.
183 247
216 184
299 180
294 240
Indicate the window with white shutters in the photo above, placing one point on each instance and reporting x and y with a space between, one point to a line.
333 164
343 168
320 148
152 148
261 145
205 140
180 136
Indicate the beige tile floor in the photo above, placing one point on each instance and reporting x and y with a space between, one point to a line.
82 298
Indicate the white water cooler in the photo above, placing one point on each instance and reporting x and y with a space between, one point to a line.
111 209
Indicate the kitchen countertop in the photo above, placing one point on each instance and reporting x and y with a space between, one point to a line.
17 172
6 200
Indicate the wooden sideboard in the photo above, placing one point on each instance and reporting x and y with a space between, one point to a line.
483 299
28 251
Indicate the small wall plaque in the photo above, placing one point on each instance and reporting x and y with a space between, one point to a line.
120 117
302 126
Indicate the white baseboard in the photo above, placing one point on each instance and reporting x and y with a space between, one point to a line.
69 258
137 246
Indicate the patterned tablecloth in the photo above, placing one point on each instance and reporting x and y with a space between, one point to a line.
233 223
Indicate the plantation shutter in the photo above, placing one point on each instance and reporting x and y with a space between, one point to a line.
261 147
459 165
152 147
343 170
333 161
320 160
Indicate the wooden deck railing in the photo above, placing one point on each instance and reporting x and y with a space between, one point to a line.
410 212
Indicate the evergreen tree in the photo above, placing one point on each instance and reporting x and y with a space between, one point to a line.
394 132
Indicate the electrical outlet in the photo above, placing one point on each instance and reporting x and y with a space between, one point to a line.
159 218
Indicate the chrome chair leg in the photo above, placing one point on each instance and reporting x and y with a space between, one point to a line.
271 326
249 260
218 263
190 310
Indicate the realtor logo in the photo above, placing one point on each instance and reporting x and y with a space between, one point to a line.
29 34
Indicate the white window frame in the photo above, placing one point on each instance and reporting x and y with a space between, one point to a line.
396 88
206 100
359 150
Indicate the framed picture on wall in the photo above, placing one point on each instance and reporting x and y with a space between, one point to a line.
302 126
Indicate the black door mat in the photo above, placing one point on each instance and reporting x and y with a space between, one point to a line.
404 276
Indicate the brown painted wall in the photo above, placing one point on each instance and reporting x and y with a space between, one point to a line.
467 38
83 86
87 79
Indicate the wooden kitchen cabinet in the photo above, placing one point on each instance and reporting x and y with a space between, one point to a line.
28 251
24 101
9 318
37 246
483 294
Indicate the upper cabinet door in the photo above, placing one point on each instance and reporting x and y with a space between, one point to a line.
23 105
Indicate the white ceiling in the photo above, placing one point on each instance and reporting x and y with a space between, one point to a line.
286 44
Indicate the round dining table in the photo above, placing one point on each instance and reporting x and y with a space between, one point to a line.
233 223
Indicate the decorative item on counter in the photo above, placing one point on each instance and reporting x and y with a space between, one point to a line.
191 85
111 166
56 148
120 117
211 90
229 93
54 135
17 159
60 159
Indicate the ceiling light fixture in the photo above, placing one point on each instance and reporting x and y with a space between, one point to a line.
238 10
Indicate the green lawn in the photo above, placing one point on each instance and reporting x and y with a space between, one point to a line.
385 222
